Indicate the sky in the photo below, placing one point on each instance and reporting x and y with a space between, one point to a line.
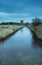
15 10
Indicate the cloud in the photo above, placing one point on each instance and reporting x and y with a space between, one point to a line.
12 16
16 17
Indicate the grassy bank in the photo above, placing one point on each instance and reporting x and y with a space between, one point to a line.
37 30
7 30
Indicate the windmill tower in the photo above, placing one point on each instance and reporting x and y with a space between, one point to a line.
22 21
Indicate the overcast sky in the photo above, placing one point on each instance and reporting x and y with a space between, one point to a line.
15 10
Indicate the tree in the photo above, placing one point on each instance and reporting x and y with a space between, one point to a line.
36 21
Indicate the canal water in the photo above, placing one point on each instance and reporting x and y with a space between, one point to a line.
22 48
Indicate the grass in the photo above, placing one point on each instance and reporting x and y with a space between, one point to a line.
37 30
8 29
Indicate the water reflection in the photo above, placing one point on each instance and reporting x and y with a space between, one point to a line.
21 30
36 42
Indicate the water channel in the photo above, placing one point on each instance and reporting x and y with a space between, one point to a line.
22 48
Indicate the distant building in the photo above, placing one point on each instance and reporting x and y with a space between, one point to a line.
22 22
